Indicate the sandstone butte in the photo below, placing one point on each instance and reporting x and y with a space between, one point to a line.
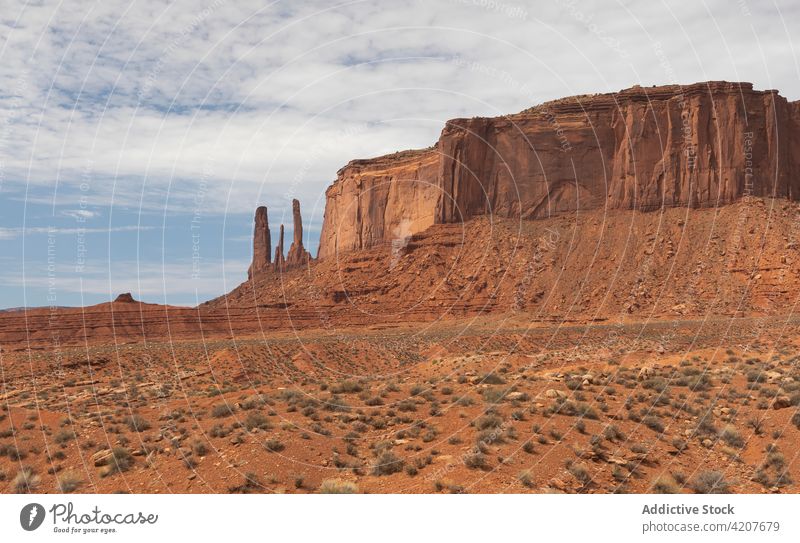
663 202
701 145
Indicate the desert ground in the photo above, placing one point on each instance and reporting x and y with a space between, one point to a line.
481 405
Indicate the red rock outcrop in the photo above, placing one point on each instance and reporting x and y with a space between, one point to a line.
297 256
262 244
700 145
380 199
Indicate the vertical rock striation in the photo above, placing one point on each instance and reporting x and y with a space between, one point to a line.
700 145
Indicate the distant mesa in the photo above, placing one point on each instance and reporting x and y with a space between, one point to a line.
125 298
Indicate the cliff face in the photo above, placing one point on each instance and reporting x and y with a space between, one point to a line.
701 145
380 199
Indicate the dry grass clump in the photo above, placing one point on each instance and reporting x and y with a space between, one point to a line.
26 481
70 481
387 463
338 486
710 482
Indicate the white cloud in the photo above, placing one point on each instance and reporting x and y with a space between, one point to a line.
149 97
80 214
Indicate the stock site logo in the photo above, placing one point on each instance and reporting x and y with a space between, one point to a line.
31 516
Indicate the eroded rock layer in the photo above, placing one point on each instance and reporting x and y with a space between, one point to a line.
701 145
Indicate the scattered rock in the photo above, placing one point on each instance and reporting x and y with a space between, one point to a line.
101 458
782 402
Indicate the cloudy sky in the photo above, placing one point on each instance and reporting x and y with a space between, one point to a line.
137 136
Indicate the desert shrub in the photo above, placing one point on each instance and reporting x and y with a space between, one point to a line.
407 406
494 395
338 486
488 421
447 484
680 444
15 454
613 433
710 482
63 437
659 384
465 401
528 447
136 423
493 379
256 420
476 460
221 411
580 472
665 485
757 424
526 479
336 404
796 419
347 387
121 460
586 411
574 383
387 463
251 483
706 427
731 436
26 481
253 402
274 445
654 423
199 447
218 430
69 482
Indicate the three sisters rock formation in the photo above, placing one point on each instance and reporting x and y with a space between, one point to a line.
262 245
